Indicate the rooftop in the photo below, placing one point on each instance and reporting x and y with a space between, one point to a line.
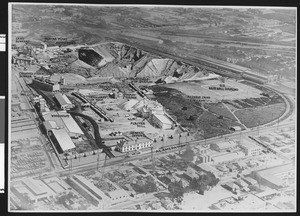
64 119
62 99
63 139
249 144
163 118
225 145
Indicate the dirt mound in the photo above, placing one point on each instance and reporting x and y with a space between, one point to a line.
89 56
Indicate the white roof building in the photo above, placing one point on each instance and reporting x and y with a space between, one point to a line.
63 139
63 100
227 156
223 145
63 119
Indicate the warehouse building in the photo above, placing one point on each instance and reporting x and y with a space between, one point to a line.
162 121
34 190
45 84
250 148
226 156
61 140
62 119
88 190
249 180
223 146
272 177
63 101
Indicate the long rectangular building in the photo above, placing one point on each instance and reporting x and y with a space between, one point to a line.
63 119
88 190
62 140
162 121
63 101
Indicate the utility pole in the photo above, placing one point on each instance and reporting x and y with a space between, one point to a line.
180 148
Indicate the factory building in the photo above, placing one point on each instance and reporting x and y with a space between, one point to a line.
34 190
274 177
88 190
226 156
223 146
250 148
162 121
61 140
57 185
132 145
45 84
63 101
249 180
64 120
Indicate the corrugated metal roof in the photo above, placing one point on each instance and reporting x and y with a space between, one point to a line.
63 139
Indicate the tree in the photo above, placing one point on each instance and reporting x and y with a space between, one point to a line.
176 191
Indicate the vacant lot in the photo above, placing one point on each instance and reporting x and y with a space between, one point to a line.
221 110
191 115
260 115
202 89
209 125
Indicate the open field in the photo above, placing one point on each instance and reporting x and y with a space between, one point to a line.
210 125
221 110
190 114
260 115
201 89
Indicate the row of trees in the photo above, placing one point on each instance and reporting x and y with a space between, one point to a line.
200 185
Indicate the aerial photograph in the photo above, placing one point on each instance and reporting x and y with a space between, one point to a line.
151 108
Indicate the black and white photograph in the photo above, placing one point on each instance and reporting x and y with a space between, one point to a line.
151 108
